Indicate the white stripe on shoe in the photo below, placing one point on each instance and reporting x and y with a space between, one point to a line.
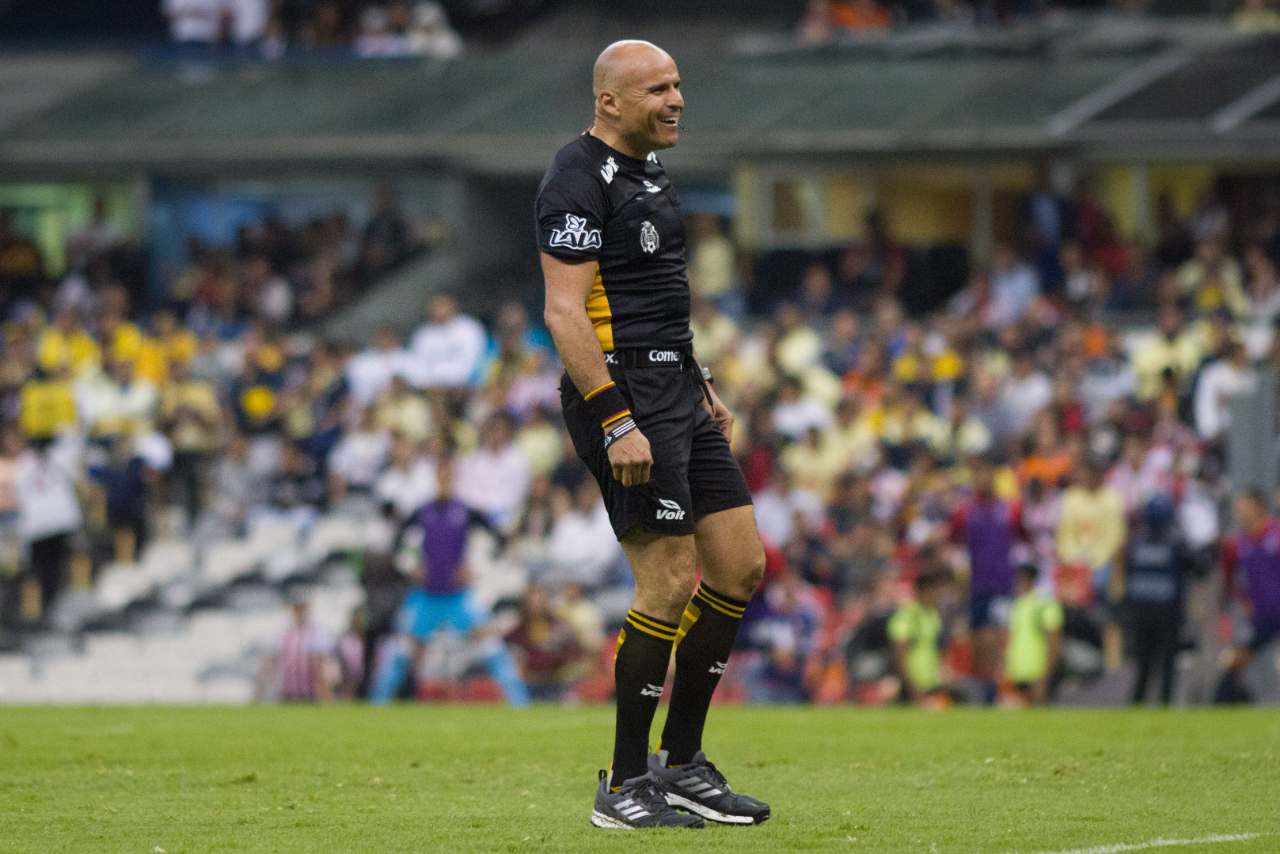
705 811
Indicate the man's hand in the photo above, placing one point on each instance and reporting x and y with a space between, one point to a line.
631 458
719 412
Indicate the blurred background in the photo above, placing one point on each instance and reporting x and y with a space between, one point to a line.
992 289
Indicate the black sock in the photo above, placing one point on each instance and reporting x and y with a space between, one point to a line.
707 632
639 670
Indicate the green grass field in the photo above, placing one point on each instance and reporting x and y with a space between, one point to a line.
450 778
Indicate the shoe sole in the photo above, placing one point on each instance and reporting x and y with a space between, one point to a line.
709 814
599 819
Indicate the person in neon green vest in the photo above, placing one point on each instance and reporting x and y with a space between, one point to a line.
915 630
1035 638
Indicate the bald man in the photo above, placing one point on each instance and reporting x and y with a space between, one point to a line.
645 418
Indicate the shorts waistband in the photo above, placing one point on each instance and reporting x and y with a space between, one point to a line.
650 357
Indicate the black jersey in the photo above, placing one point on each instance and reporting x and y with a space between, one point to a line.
597 204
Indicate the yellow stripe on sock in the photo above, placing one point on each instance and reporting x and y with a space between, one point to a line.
648 631
691 614
650 627
622 635
720 604
657 624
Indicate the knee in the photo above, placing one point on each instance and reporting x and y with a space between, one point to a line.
677 582
665 584
753 572
744 577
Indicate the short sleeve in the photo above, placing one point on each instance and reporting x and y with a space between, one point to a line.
570 212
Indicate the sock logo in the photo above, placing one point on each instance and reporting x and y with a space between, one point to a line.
651 690
718 667
670 511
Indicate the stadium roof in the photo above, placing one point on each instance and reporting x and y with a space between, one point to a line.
508 111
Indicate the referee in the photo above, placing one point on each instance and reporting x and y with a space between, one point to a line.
644 417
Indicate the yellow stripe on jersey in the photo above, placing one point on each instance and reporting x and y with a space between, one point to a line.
600 313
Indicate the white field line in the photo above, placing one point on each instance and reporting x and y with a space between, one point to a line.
1160 843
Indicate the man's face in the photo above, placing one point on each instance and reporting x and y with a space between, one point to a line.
649 102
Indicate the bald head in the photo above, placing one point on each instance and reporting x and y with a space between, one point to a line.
637 93
619 64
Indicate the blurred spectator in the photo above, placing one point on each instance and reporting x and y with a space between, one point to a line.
1014 286
376 37
494 478
96 238
369 372
190 416
545 647
1220 382
711 262
788 634
581 546
1257 16
430 33
441 599
915 630
1157 564
408 482
124 480
48 516
249 22
1172 353
21 265
298 666
448 349
1091 529
1253 557
357 459
386 237
989 528
196 26
1035 639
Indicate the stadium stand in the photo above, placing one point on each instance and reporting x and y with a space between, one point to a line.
253 426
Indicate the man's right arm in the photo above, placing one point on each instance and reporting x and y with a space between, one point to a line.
568 284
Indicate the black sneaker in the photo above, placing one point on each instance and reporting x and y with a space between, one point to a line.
639 803
700 788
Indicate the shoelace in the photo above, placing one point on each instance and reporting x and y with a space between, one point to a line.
648 793
716 777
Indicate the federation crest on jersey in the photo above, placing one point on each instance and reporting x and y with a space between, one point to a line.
575 234
648 237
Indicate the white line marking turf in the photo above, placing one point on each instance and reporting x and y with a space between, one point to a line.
1161 843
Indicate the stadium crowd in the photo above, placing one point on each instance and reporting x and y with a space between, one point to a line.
984 502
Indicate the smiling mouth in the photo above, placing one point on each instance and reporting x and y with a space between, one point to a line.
671 121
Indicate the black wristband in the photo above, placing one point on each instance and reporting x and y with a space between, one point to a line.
606 405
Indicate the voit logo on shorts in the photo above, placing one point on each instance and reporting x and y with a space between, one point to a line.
670 511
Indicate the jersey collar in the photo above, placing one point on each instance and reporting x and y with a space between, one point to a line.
624 160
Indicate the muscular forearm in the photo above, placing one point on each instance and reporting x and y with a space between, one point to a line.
578 346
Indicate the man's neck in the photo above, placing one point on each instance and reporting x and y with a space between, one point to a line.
615 140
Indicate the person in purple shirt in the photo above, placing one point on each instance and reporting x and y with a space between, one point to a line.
1255 554
988 527
441 598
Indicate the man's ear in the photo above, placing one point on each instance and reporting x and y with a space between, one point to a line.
607 104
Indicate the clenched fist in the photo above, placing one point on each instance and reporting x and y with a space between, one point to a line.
631 459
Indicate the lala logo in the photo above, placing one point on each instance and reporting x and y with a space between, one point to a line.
575 234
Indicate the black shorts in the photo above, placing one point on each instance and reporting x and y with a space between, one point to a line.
694 472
